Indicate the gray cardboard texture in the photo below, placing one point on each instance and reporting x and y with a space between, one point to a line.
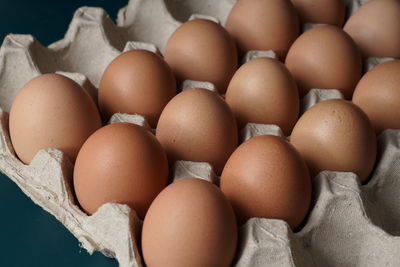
349 225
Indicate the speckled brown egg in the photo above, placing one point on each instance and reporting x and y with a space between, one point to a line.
336 135
266 177
264 91
321 11
136 82
375 27
378 95
198 125
122 163
190 223
202 50
51 111
325 57
263 25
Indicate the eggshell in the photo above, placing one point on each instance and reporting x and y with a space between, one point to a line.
198 125
363 220
325 57
122 163
266 177
136 82
190 223
321 11
378 95
263 25
263 91
336 135
202 50
51 111
375 27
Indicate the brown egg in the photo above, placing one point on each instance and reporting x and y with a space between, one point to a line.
51 111
136 82
336 135
321 11
325 57
263 25
198 125
378 95
202 50
121 163
190 223
266 177
264 91
375 27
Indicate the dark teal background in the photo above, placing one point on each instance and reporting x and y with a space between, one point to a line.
47 20
29 236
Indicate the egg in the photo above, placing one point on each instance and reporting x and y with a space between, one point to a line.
321 11
122 163
375 27
266 177
136 82
198 125
190 223
336 135
325 57
263 91
263 25
202 50
51 111
378 95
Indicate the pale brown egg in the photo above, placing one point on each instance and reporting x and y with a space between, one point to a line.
202 50
325 57
198 125
321 11
378 95
122 163
266 177
336 135
263 25
375 27
51 111
264 91
190 223
136 82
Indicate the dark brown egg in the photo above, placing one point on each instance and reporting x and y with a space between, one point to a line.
264 91
336 135
321 11
325 57
202 50
190 223
122 163
51 111
263 25
136 82
375 27
378 95
198 125
266 177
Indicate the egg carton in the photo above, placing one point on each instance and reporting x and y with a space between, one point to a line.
349 225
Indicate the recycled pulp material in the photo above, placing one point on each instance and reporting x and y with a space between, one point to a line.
318 95
349 225
188 84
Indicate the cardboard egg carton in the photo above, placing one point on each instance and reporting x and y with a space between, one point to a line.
349 225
